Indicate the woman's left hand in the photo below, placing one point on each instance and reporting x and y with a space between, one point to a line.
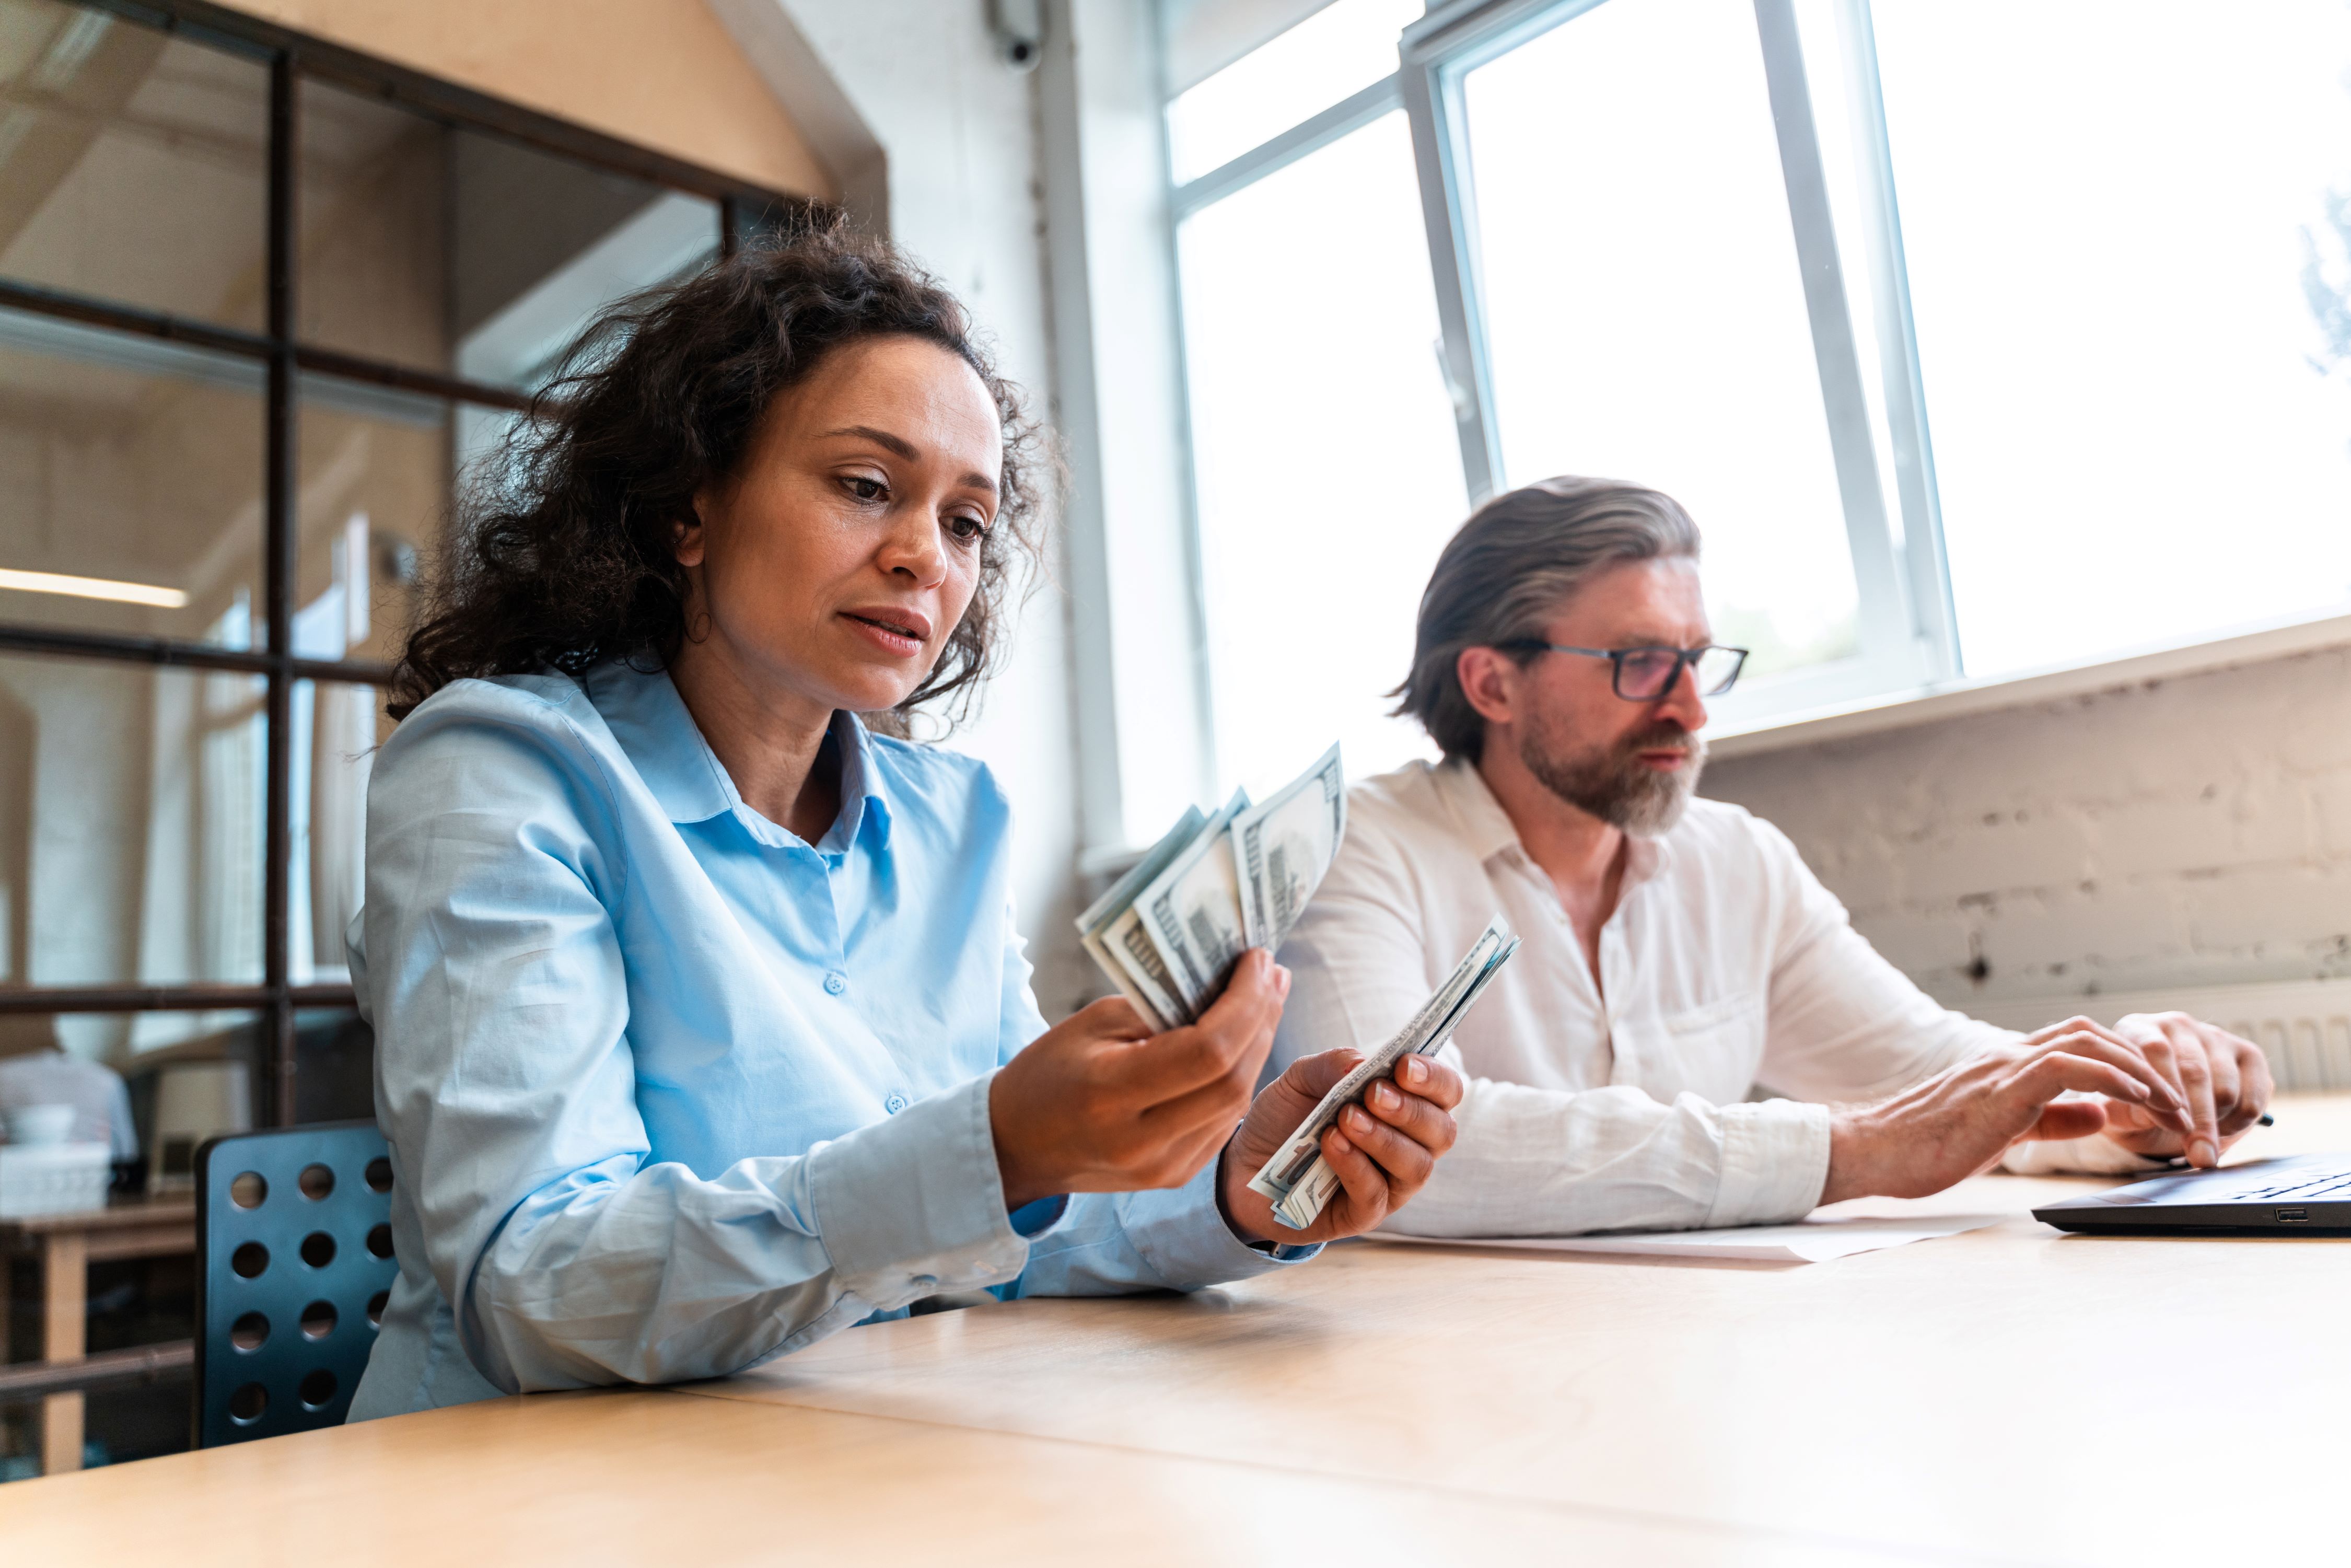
1383 1150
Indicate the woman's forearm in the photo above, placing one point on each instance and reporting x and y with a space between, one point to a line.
634 1272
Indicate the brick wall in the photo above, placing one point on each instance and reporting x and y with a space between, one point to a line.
2194 831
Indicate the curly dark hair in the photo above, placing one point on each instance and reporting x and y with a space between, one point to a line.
562 555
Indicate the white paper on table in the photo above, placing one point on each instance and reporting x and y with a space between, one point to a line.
1806 1241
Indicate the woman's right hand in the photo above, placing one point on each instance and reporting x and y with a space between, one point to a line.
1098 1104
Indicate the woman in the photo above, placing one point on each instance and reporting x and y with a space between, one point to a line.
699 1008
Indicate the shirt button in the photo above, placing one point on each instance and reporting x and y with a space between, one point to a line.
836 983
895 1104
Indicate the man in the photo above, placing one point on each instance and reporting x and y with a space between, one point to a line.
1677 952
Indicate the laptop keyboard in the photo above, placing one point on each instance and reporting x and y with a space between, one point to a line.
2326 1183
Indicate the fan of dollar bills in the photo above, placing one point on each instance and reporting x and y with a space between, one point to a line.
1169 932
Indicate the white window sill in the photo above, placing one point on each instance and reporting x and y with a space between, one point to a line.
1952 699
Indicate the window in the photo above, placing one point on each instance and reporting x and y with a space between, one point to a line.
1645 305
1324 469
2127 257
1976 338
216 489
1309 324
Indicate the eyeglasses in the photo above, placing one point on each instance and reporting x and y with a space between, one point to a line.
1644 674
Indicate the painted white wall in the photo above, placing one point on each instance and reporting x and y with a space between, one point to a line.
958 128
2188 831
1142 679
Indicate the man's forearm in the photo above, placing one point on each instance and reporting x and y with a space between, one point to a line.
1545 1162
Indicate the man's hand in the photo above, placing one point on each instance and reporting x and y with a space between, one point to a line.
1964 1118
1382 1151
2226 1082
1099 1103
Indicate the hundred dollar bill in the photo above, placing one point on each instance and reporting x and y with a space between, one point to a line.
1285 845
1298 1179
1167 932
1193 912
1133 961
1139 974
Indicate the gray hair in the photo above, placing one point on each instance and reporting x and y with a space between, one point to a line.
1505 574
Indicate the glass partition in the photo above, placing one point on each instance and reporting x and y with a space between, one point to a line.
464 253
131 479
131 824
134 166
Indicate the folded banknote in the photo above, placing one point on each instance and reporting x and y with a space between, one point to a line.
1298 1179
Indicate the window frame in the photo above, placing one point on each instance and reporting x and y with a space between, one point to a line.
292 57
1905 624
1905 619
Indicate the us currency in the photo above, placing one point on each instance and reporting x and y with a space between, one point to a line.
1283 847
1168 932
1106 932
1193 912
1134 964
1298 1179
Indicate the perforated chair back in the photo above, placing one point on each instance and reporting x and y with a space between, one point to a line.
293 1265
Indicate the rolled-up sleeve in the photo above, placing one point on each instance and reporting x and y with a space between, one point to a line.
1551 1162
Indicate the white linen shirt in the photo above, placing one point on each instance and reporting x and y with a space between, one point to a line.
1621 1106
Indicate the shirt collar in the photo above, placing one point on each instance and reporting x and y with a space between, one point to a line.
1489 830
1484 824
860 786
654 726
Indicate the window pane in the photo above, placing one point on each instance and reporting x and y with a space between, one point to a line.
134 166
190 1074
131 824
1644 311
131 481
376 467
1328 473
1332 55
2127 260
337 729
465 253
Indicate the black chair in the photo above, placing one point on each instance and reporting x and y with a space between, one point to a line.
293 1266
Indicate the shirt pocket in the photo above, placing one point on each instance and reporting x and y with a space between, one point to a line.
1711 1050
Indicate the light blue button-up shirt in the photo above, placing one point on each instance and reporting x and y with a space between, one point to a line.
670 1092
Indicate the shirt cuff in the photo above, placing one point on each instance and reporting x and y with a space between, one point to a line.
914 1205
1775 1161
1181 1233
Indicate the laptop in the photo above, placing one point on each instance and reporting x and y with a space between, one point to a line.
2307 1195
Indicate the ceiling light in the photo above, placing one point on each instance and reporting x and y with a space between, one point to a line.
93 587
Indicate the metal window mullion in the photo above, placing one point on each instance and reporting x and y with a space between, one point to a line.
1435 53
1883 614
1347 116
196 999
1447 212
281 568
1925 562
47 640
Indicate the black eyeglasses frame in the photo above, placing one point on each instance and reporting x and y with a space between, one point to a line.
1684 659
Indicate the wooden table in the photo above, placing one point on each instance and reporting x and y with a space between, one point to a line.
2007 1396
66 1245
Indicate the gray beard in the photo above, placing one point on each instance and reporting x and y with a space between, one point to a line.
1611 781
